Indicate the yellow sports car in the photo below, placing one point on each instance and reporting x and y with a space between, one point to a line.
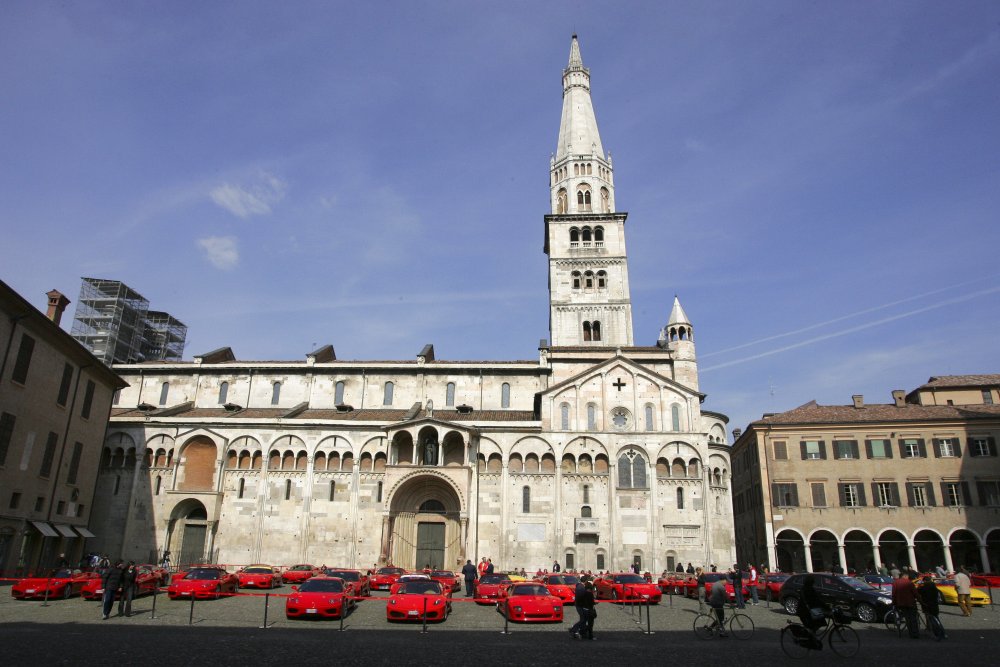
948 595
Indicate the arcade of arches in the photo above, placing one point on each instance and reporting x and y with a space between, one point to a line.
857 550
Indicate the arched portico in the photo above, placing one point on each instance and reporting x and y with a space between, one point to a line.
426 524
188 532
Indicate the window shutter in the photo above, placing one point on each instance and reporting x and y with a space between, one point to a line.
775 495
981 492
992 445
842 491
972 447
922 448
854 449
795 495
966 496
861 496
822 449
958 446
937 448
888 449
930 494
902 448
868 448
909 495
802 449
876 501
894 490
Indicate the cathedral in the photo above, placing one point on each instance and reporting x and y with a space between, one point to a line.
597 454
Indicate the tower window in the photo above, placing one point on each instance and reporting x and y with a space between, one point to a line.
564 416
586 493
223 392
576 280
275 393
675 417
241 488
574 237
338 393
505 395
288 489
449 394
387 394
588 279
602 280
649 417
591 417
526 500
596 327
587 332
680 497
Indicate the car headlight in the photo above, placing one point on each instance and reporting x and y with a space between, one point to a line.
517 609
293 600
437 603
884 600
392 600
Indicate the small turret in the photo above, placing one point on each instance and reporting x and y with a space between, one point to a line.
678 337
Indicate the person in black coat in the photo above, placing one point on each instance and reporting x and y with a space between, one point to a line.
927 593
129 575
690 569
469 571
810 600
111 580
587 608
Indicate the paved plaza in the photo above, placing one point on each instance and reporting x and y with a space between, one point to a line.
230 631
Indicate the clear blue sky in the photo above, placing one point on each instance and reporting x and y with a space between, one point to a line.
818 181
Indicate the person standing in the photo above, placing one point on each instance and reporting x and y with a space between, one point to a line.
700 580
963 587
904 597
717 601
753 583
578 593
128 589
585 601
482 567
690 569
489 566
555 566
469 572
736 576
928 594
111 580
893 571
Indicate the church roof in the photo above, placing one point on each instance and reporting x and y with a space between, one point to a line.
677 314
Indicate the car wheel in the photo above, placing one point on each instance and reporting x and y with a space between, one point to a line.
865 612
614 594
791 605
67 591
218 592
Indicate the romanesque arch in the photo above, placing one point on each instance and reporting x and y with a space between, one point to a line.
198 458
426 523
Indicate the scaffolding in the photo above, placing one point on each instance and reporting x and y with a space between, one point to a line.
114 322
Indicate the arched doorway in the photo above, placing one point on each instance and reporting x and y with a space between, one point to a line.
993 549
791 551
965 551
188 532
858 551
823 548
892 548
928 547
425 526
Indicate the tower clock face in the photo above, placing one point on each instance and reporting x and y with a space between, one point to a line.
620 418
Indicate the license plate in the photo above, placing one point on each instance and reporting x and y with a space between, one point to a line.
383 588
311 611
185 593
30 590
413 612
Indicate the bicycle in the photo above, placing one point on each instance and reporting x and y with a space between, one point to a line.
707 626
797 641
895 621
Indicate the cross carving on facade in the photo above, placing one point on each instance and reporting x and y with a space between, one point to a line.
618 384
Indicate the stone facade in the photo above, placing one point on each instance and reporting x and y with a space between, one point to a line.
597 454
859 486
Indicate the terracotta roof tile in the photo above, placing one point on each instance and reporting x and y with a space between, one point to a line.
812 413
962 381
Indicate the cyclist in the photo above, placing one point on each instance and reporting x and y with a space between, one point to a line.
717 601
812 611
927 593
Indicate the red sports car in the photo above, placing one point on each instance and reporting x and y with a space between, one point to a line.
413 599
204 583
146 581
259 576
404 578
530 602
357 580
296 574
563 586
385 577
678 584
61 584
986 580
448 579
490 587
320 597
627 586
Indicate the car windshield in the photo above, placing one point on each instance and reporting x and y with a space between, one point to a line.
877 579
494 578
63 574
711 577
322 586
564 580
204 574
529 589
442 573
945 582
259 570
421 588
346 575
389 570
856 584
300 568
629 579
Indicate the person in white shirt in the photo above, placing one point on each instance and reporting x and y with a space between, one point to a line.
963 587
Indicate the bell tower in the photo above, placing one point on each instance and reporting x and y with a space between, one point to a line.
589 302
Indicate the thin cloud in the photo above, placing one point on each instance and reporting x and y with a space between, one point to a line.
220 251
256 198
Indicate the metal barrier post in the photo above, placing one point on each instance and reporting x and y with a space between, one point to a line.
48 583
343 612
156 589
649 629
424 630
267 603
191 615
506 620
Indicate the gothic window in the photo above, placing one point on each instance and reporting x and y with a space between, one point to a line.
275 393
591 417
631 470
164 390
564 416
596 330
338 393
526 500
649 417
449 394
675 417
587 332
680 497
576 280
223 392
602 279
638 473
387 394
562 201
505 395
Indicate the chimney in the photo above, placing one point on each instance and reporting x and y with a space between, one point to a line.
859 401
57 304
899 396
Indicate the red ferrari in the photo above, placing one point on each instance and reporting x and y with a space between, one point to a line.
405 578
146 581
490 587
319 597
259 576
712 577
986 580
627 587
385 577
448 580
204 583
296 574
415 600
357 580
563 586
62 584
530 602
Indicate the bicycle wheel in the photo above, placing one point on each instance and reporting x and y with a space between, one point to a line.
890 619
843 641
741 626
793 645
705 626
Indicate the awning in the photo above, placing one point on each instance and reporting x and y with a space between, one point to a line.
65 530
84 532
44 528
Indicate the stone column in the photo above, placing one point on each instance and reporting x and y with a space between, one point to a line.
464 524
948 562
386 532
809 556
210 542
985 557
504 514
912 555
876 557
843 557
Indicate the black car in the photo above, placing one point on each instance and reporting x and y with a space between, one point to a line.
866 603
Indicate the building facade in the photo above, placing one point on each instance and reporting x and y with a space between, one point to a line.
55 398
913 482
596 454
